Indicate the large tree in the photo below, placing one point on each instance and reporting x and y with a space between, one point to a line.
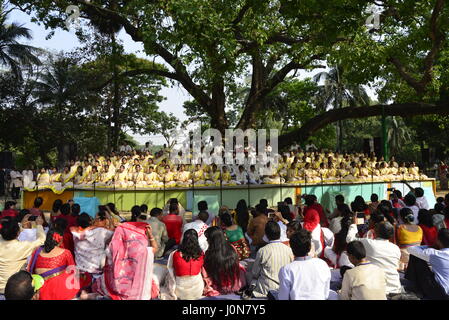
209 46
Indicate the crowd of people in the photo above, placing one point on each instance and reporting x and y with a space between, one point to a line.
130 168
397 248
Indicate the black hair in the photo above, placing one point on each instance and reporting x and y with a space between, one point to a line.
56 205
356 249
19 286
173 200
173 208
410 199
221 261
189 247
260 209
65 209
294 225
301 243
9 204
76 209
425 218
226 218
272 230
155 212
374 197
285 211
439 207
38 202
288 200
10 229
359 204
112 207
309 200
135 213
443 237
419 192
202 205
60 224
446 212
22 214
50 243
143 208
440 200
340 198
340 237
264 203
84 220
203 216
407 215
398 193
242 215
384 230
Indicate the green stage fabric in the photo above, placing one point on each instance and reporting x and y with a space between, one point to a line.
189 198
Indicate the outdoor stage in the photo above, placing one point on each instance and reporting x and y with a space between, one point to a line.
228 196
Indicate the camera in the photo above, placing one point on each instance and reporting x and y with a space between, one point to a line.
32 218
391 189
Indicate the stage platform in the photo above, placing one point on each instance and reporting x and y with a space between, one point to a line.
229 195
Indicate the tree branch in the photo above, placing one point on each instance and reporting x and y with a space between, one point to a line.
322 120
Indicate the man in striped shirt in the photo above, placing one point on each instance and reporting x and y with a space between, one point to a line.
269 260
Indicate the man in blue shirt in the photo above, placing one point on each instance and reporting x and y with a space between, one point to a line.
431 283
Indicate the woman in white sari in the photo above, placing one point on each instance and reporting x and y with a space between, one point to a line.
184 280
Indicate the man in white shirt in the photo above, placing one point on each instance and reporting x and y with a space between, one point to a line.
421 201
382 253
306 278
241 176
16 183
147 147
200 226
428 268
125 148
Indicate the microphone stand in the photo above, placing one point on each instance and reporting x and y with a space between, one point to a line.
193 186
221 190
113 183
280 181
164 191
249 192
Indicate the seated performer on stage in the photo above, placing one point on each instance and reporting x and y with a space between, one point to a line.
214 176
121 178
152 178
183 177
80 178
226 176
292 174
169 177
43 178
253 174
271 176
65 176
138 178
198 176
241 177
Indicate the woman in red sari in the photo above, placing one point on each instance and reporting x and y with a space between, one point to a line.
57 267
430 232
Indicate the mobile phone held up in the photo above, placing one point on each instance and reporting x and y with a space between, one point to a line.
360 218
32 218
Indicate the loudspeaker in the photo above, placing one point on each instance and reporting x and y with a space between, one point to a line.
378 147
6 159
425 154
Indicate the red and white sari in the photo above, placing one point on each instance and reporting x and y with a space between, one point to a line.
128 273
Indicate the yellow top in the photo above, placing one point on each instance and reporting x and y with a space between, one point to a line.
406 237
